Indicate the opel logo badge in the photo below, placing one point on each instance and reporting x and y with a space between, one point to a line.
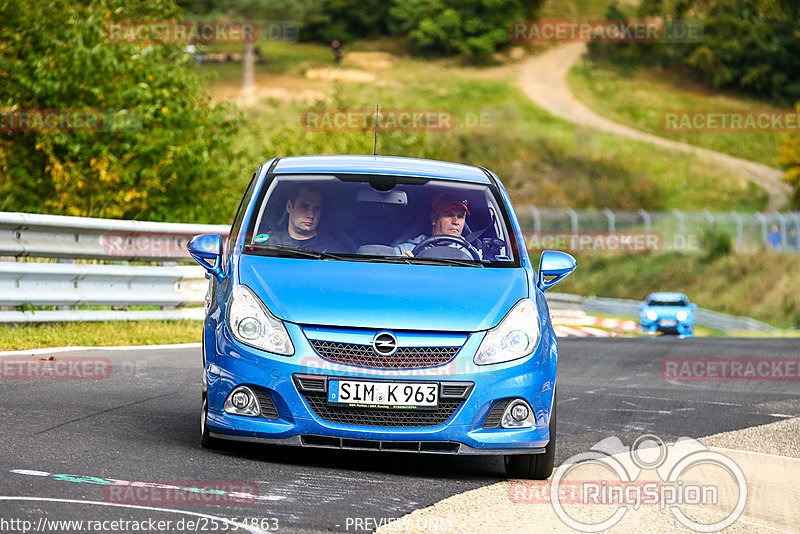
384 343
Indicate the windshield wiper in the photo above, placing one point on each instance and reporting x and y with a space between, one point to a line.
428 261
292 251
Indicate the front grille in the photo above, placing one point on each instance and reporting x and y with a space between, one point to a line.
381 416
365 356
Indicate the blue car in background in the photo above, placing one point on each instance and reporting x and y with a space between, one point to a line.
380 304
670 313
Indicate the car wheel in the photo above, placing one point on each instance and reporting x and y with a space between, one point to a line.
206 441
535 466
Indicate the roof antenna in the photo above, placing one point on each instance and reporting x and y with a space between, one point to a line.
377 108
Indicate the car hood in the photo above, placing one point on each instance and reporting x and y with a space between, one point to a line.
383 295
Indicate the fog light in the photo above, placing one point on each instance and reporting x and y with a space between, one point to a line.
518 414
242 401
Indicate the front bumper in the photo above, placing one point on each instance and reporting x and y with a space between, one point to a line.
230 364
680 328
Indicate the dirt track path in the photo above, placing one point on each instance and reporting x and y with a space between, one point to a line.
543 78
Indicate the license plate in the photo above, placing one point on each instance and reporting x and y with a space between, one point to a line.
669 322
356 393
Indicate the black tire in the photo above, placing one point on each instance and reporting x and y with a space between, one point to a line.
206 441
535 466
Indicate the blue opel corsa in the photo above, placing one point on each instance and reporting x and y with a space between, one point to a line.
382 304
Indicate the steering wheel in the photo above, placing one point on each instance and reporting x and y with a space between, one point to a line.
434 240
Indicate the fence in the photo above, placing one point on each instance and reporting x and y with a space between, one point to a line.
115 266
109 265
672 231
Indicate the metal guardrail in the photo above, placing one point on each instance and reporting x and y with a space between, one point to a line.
630 308
56 236
67 284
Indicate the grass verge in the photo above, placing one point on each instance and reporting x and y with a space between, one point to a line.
638 96
100 334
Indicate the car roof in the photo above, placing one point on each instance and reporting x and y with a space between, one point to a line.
384 165
667 296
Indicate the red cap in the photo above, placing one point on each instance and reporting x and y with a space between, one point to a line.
448 201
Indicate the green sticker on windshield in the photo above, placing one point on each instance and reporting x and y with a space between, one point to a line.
260 237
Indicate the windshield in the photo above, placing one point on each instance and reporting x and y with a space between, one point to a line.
667 303
381 218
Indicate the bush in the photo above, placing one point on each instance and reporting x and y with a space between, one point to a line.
473 28
167 161
716 243
749 45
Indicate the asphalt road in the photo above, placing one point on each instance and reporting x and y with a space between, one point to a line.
141 425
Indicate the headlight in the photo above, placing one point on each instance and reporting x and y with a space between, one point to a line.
651 315
681 315
251 323
516 336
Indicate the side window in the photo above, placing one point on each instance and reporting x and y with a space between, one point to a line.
237 220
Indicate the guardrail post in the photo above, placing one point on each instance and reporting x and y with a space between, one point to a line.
763 221
573 217
681 227
612 221
537 219
647 220
782 221
739 228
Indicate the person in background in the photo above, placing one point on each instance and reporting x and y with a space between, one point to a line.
774 237
336 47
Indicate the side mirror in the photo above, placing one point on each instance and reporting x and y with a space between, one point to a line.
694 306
207 247
554 266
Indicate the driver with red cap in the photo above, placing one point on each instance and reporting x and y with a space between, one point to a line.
448 216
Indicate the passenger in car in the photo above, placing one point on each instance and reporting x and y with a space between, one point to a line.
304 207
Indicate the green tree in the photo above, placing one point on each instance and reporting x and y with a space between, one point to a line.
750 45
473 28
167 160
